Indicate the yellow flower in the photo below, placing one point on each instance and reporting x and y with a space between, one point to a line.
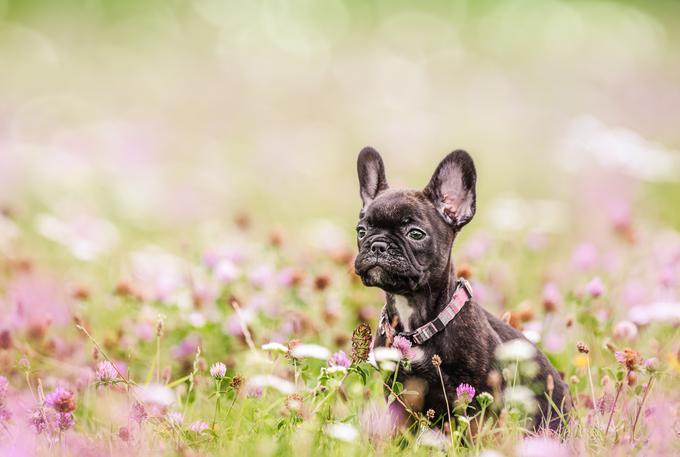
581 360
674 362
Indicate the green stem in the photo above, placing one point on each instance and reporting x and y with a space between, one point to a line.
217 403
616 399
642 402
448 409
396 372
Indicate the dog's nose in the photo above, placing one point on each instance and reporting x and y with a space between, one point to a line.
378 247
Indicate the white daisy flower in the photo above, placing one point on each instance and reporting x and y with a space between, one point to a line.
515 350
155 393
520 396
275 347
312 351
341 431
282 385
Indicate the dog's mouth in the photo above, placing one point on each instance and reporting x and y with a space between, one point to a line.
374 273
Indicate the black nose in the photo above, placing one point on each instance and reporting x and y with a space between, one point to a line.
379 247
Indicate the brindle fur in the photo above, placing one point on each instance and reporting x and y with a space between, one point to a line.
423 272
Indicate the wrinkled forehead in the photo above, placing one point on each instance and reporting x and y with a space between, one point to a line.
393 206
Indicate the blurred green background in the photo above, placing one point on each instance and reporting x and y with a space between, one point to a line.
172 116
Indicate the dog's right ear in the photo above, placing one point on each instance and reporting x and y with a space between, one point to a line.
371 175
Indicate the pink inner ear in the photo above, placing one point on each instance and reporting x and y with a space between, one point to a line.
447 208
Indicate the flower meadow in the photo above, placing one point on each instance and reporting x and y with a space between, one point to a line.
178 196
235 350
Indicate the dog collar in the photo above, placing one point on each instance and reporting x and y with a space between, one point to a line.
461 295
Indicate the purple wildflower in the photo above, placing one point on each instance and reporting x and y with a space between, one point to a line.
106 372
187 347
38 420
199 427
465 392
584 256
175 418
218 370
339 359
255 392
64 421
5 415
124 434
403 346
541 446
4 385
595 287
61 400
138 413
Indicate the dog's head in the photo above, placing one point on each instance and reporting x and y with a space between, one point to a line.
405 236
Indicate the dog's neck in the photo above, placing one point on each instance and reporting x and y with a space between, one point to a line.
419 307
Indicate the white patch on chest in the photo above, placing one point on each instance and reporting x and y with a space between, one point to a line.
404 311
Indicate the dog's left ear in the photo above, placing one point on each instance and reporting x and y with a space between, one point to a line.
452 189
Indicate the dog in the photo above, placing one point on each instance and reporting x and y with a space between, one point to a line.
404 239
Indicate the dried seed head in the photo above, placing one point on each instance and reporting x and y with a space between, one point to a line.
629 358
237 382
321 282
582 347
430 414
361 342
160 324
436 360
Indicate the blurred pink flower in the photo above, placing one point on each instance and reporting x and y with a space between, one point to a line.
175 418
38 420
187 347
261 275
634 292
536 240
64 421
226 271
145 330
199 426
625 330
667 312
595 287
61 400
584 256
668 276
34 301
4 387
403 346
619 213
552 298
465 392
554 341
124 434
476 247
377 423
218 370
138 412
339 359
105 372
541 446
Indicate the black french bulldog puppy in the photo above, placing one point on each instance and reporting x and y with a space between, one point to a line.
405 239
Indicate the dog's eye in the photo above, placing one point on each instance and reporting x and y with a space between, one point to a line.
361 232
416 234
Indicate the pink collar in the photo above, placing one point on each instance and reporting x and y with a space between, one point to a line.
461 295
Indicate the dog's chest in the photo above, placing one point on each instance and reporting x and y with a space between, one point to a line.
404 311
